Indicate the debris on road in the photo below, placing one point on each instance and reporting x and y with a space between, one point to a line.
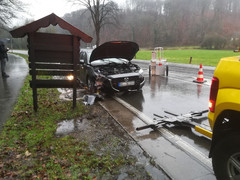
90 99
191 120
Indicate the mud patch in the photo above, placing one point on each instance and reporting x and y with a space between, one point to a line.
103 134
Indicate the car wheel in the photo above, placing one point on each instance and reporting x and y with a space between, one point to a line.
149 71
226 158
167 70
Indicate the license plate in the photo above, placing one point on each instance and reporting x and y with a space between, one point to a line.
129 83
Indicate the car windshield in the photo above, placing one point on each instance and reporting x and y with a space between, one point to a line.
107 61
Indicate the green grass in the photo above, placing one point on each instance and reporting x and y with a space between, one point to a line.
206 57
29 148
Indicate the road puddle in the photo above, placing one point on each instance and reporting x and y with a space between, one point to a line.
69 126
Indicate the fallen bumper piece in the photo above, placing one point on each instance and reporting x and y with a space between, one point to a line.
90 99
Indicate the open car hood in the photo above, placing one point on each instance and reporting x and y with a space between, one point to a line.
115 49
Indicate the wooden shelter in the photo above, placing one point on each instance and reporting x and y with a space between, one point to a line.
52 54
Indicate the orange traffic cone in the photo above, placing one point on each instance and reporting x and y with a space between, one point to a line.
200 76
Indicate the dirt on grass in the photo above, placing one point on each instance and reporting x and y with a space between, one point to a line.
103 134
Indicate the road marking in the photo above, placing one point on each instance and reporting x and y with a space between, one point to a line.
176 140
189 80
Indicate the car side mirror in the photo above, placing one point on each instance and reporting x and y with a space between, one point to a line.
81 61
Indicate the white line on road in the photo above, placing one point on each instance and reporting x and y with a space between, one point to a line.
176 140
189 80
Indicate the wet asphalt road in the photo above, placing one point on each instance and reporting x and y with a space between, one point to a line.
17 69
177 94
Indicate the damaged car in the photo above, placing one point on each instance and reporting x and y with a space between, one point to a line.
109 67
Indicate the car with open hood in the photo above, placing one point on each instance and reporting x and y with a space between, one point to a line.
109 67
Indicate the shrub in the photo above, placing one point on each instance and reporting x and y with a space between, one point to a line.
214 42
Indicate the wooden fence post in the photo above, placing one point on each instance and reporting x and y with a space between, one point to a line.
190 61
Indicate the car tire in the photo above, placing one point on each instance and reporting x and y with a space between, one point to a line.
226 158
167 70
149 71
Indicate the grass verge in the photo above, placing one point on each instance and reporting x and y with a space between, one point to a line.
199 56
29 148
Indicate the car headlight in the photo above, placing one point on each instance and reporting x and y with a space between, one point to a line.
140 71
70 77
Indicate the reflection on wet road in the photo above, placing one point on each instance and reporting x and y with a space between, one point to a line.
179 95
17 68
162 93
167 94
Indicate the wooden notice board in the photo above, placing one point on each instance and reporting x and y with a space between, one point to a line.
53 55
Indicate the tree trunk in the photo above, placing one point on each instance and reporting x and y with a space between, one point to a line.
97 38
97 29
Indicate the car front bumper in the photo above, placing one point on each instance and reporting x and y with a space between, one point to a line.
124 82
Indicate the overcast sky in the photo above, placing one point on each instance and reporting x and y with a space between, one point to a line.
41 8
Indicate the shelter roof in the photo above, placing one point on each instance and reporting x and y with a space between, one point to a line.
45 22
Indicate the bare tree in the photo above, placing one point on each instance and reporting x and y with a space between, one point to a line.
102 12
171 22
8 9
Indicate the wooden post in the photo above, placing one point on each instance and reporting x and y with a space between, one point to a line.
190 61
33 66
76 45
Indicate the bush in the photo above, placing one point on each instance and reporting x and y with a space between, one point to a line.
214 42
